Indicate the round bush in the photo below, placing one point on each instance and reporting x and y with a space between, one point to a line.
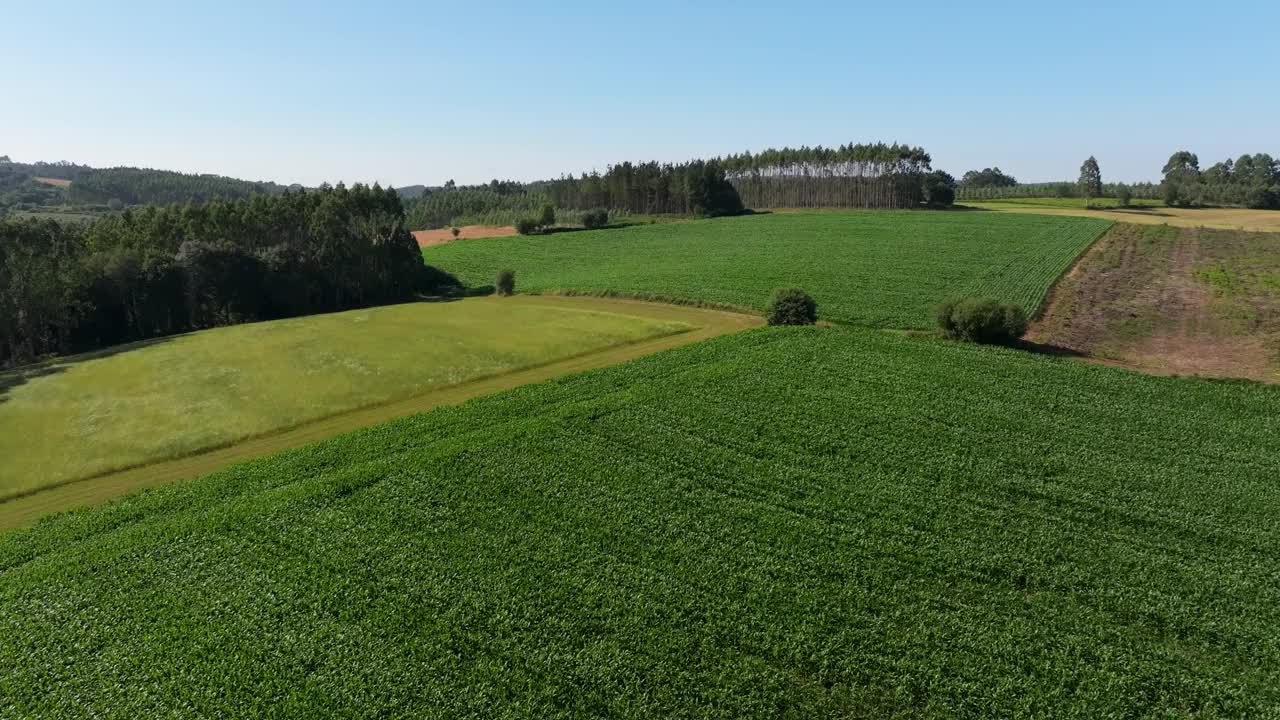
593 219
526 226
505 284
982 320
792 306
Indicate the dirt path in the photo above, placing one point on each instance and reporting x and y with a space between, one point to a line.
1136 299
706 324
427 238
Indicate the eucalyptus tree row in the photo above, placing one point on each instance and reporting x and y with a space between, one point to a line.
861 176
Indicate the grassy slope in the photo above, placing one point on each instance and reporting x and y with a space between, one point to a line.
887 269
788 522
172 397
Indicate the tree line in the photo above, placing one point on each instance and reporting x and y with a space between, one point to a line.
154 271
1250 180
697 187
854 175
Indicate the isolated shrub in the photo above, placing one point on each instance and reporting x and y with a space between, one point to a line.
115 204
505 284
456 232
792 306
982 320
593 219
526 226
1124 195
548 217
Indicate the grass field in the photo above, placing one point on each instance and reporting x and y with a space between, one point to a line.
885 269
785 523
1217 218
137 404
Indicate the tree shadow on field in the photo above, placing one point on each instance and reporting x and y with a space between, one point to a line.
1049 349
23 374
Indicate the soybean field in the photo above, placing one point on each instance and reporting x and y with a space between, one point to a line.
788 522
875 268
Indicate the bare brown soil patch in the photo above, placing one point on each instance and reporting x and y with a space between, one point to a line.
56 182
427 238
1167 300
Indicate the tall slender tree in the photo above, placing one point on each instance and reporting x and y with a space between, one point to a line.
1090 180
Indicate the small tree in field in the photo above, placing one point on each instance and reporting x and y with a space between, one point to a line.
982 320
1090 180
548 216
1124 195
505 284
456 232
792 306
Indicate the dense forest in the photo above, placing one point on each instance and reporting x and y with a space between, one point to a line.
1250 180
860 176
139 186
154 271
697 187
95 191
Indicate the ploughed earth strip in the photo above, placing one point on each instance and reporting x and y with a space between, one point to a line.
1172 300
426 238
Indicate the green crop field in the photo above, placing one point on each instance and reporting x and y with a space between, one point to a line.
817 522
130 405
885 269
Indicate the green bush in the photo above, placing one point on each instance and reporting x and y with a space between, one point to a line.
505 284
548 217
1124 195
593 219
982 320
526 226
940 195
792 306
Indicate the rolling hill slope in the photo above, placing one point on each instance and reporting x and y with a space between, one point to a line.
883 269
788 522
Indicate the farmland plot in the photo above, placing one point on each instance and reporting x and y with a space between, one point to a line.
883 269
788 523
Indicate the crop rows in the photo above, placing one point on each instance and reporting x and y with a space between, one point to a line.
788 523
882 269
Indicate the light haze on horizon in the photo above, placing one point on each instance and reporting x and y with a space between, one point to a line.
421 92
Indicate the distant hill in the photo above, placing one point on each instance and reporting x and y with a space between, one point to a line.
413 192
64 188
145 186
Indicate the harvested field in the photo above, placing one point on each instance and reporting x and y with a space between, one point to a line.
1184 301
427 238
1217 218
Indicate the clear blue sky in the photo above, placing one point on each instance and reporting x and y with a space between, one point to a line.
419 92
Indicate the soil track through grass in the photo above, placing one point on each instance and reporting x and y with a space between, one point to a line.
1138 299
22 511
427 238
